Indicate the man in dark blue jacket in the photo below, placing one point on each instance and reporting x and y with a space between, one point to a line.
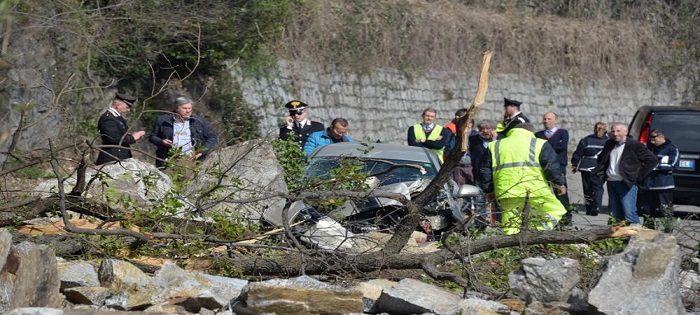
191 135
656 190
558 138
623 163
298 124
512 115
584 160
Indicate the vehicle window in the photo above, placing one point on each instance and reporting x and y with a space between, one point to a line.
638 121
385 172
681 128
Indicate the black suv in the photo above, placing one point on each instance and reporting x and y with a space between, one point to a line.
681 125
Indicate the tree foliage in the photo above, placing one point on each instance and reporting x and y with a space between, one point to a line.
162 37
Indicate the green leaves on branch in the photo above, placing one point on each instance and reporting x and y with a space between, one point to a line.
178 37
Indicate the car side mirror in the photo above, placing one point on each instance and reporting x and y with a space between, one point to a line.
468 191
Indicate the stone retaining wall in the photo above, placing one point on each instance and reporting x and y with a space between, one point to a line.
383 103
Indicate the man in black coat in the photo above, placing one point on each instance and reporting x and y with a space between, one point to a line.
297 123
558 138
511 110
113 131
656 190
479 142
190 134
623 163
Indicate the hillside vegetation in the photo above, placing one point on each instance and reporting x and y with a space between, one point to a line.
579 40
162 48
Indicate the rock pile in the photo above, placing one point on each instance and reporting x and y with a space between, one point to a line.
644 279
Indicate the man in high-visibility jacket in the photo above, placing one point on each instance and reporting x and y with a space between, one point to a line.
429 135
518 166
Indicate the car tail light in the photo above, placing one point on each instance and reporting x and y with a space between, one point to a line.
644 133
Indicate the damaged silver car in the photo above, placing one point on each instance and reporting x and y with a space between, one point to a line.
387 168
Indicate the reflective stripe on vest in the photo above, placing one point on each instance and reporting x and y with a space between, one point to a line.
532 161
516 168
419 133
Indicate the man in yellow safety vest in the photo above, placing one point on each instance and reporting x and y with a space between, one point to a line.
429 135
518 166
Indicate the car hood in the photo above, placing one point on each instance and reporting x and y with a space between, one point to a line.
275 216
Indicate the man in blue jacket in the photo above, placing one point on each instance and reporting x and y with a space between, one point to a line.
656 190
190 134
336 133
558 138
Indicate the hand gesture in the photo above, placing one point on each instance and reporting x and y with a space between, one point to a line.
194 157
560 190
137 135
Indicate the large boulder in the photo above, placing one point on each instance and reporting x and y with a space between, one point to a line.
411 296
136 289
194 291
136 180
29 275
247 172
643 279
301 295
545 280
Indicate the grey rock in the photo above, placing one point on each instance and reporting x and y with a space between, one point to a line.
141 182
301 295
478 306
545 280
690 289
35 311
77 274
87 295
643 279
249 170
5 246
194 291
411 296
30 278
57 311
136 288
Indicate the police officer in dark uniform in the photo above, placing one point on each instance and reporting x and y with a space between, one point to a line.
655 196
113 130
298 123
513 115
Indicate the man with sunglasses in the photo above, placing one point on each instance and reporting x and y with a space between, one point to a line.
336 133
298 124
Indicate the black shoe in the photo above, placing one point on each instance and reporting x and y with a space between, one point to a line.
593 212
566 221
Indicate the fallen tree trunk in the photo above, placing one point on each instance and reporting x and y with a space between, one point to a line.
292 264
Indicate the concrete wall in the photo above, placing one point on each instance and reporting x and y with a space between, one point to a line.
384 103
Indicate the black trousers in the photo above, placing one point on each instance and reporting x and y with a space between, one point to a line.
564 199
592 193
655 203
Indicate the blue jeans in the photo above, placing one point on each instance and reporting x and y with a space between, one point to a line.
622 201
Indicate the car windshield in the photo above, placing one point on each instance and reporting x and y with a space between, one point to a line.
680 129
387 171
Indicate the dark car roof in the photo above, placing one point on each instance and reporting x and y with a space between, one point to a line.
670 108
378 151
